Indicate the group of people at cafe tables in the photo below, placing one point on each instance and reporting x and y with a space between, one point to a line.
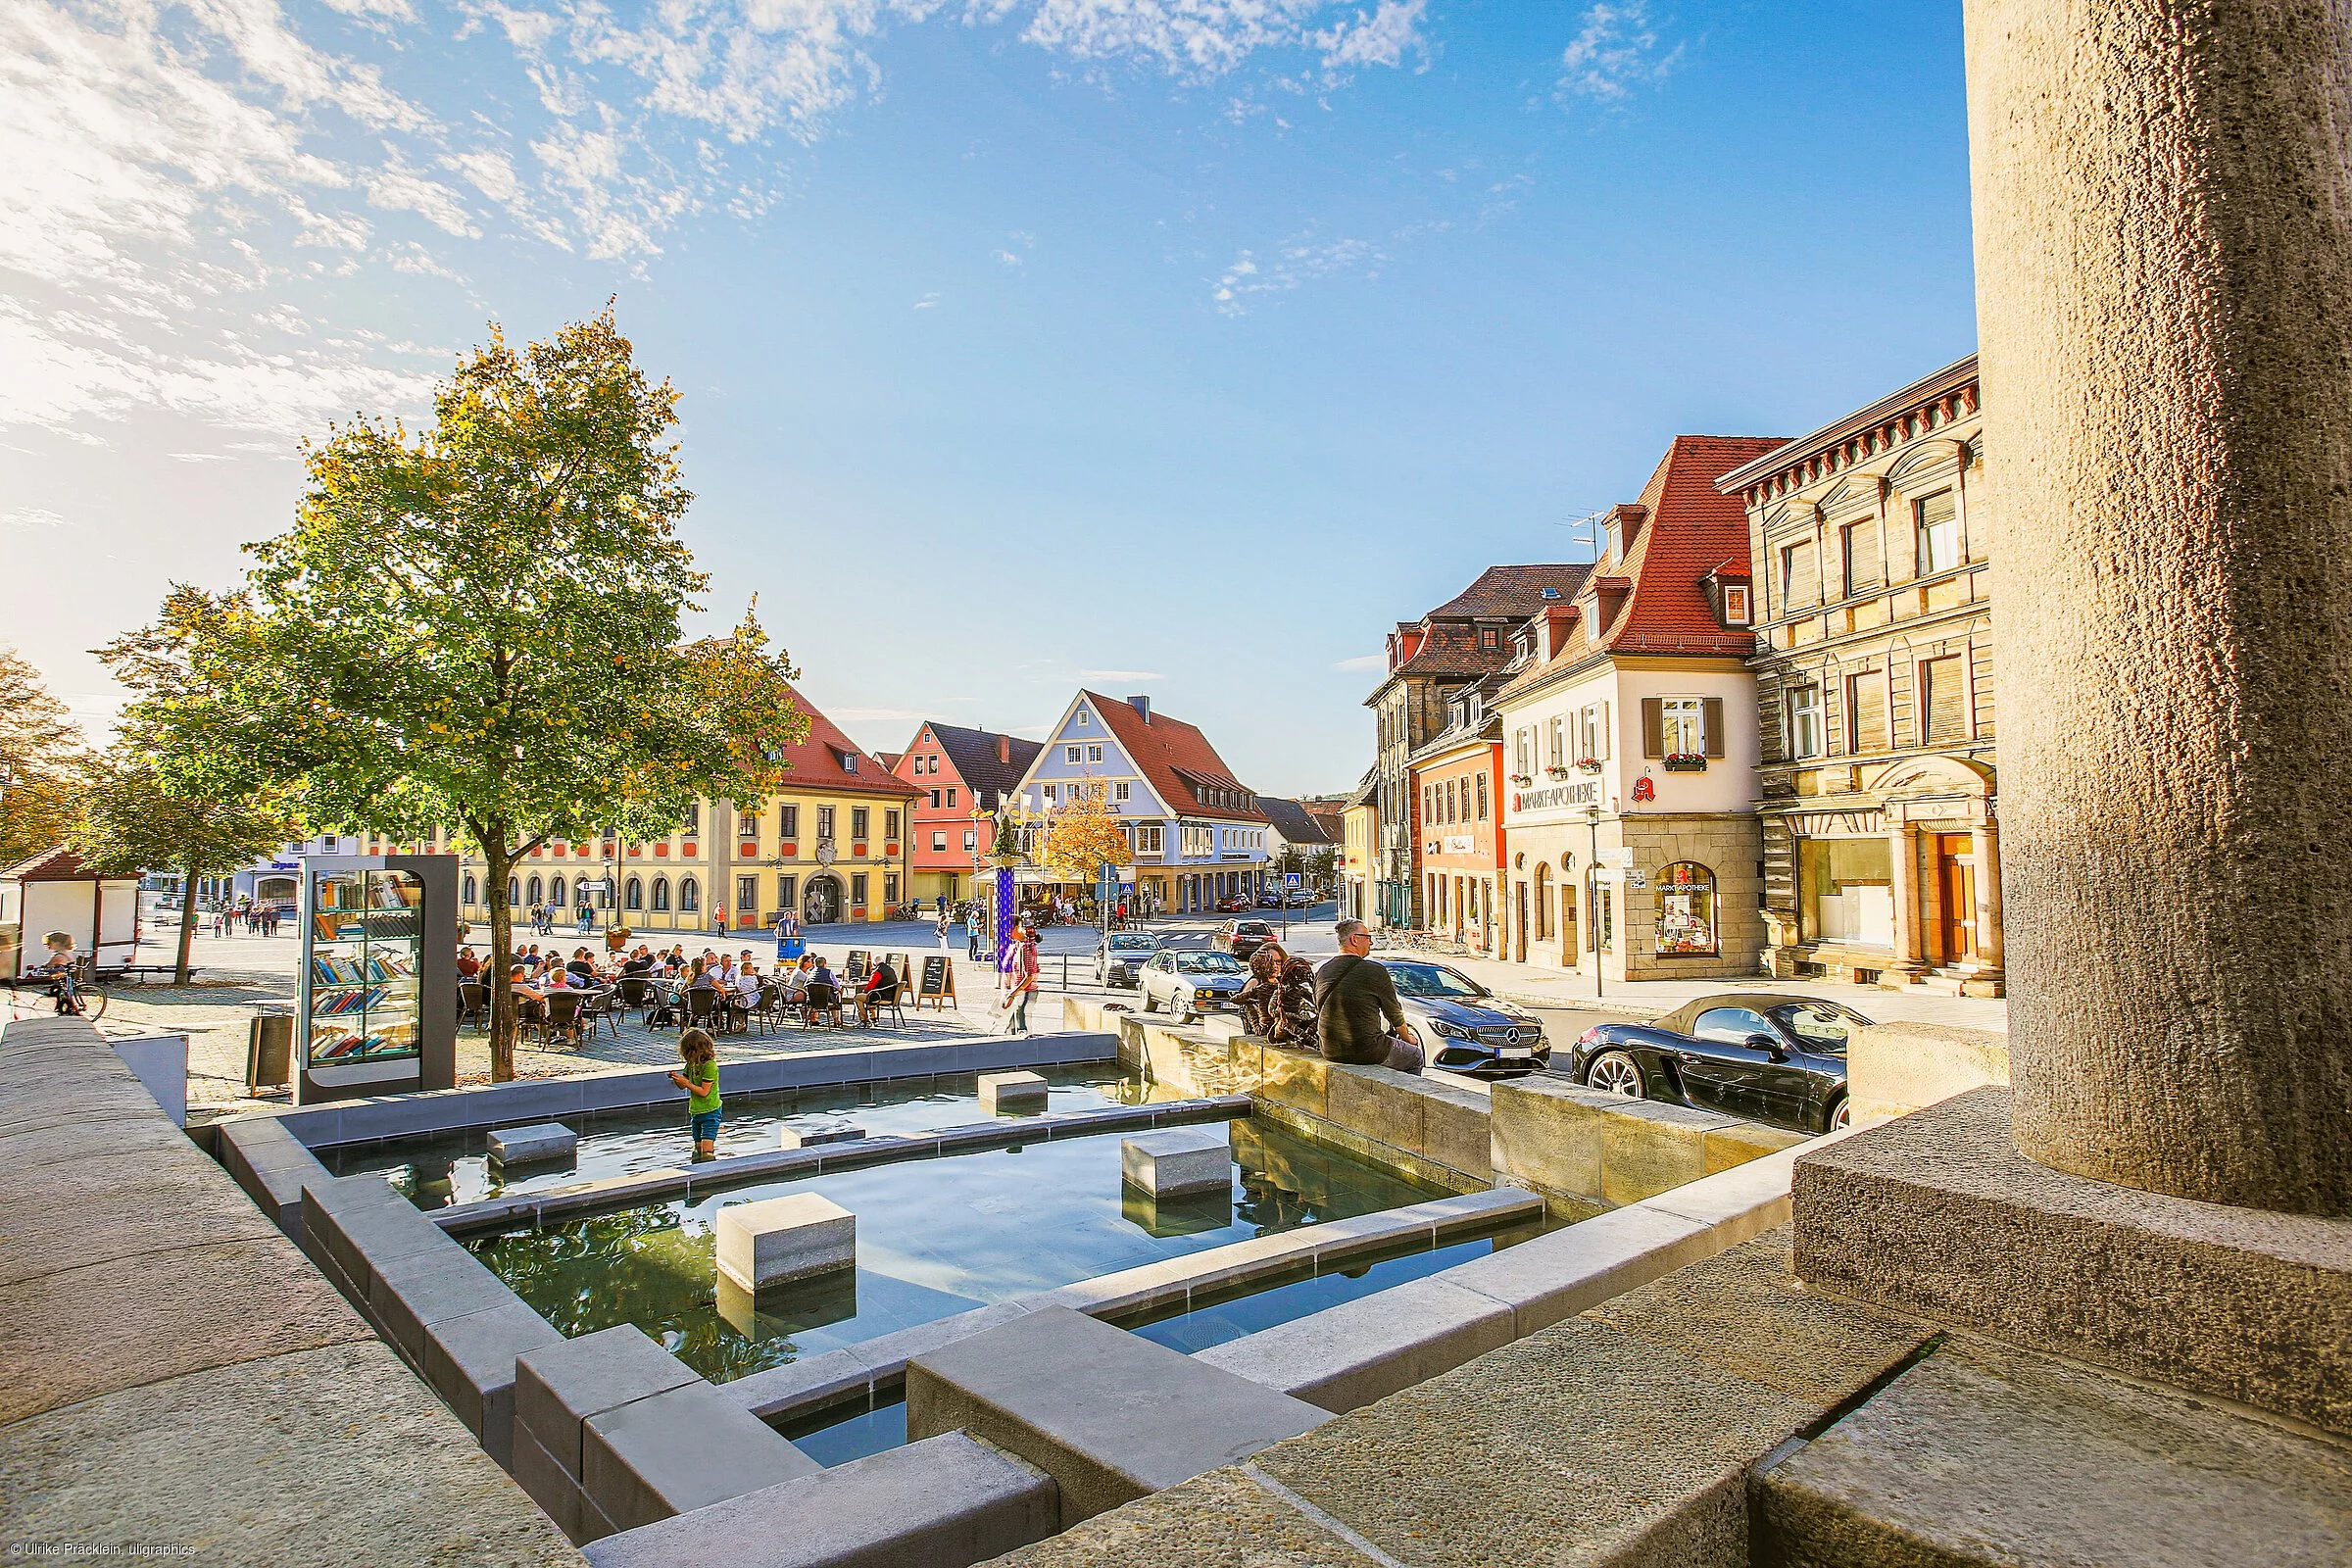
808 986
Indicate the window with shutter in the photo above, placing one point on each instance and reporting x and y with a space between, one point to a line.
1943 699
1859 543
1654 727
1866 711
1799 581
1939 521
1713 726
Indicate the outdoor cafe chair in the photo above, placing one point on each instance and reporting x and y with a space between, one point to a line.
563 1012
702 1004
639 993
473 1003
823 1001
764 1011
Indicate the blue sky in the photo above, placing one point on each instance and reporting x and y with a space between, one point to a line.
1164 345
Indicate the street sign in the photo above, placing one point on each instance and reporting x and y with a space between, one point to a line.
1622 856
1636 880
1293 879
595 885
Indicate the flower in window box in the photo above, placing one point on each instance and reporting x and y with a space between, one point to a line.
1686 763
1523 778
1591 764
1557 770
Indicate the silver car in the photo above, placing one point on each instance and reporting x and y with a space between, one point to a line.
1120 954
1190 982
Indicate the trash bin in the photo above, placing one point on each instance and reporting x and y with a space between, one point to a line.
270 1050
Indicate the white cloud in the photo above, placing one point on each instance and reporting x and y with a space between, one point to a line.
31 518
1363 661
1121 676
1617 50
1005 257
1200 40
929 301
1296 261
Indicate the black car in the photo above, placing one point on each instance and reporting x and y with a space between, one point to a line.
1768 1057
1464 1027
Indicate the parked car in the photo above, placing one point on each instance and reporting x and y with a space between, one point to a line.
1271 899
1235 903
1464 1027
1768 1057
1188 983
1118 955
1242 938
1301 898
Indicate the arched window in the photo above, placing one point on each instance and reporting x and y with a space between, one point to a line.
634 893
1687 911
538 889
1543 900
555 892
471 888
661 893
514 893
690 897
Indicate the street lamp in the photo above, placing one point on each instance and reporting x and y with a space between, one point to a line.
1592 892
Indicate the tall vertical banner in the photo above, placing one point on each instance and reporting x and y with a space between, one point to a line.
1003 913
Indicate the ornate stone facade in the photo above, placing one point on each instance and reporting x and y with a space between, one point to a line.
1873 689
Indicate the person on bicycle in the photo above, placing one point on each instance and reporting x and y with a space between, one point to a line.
60 970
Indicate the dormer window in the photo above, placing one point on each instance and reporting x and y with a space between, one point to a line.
848 763
1735 609
1489 638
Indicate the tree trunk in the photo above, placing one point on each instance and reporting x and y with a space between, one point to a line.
188 924
498 862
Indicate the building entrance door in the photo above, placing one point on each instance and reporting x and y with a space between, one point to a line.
1956 885
1520 953
823 903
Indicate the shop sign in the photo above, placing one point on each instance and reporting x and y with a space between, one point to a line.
1570 797
1636 879
1460 844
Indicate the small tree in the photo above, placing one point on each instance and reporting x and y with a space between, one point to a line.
182 789
134 820
42 760
477 626
1082 835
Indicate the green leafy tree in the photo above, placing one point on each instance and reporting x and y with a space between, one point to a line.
477 626
43 758
182 789
134 820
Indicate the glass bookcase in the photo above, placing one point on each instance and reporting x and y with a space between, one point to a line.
361 986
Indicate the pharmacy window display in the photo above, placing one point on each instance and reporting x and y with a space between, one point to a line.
1687 911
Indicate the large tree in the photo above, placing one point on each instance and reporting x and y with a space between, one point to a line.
1082 835
477 625
43 758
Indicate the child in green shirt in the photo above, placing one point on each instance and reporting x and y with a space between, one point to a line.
700 1080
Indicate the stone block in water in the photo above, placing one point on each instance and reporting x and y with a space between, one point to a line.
544 1140
779 1239
1179 1159
1011 1091
808 1135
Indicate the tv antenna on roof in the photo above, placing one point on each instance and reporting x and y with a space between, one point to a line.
1589 530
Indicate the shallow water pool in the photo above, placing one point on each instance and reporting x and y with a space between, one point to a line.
451 1169
935 1236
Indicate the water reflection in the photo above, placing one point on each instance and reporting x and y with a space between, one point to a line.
934 1238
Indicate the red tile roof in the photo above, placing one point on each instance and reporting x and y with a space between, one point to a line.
1691 529
60 865
817 762
1167 749
1511 593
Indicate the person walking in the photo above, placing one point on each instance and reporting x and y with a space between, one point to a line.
1353 998
1020 973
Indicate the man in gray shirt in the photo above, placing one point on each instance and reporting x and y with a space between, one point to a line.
1359 1019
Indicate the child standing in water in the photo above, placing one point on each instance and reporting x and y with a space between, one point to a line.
700 1080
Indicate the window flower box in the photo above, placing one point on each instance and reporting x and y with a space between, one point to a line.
1523 778
1557 770
1686 763
1590 765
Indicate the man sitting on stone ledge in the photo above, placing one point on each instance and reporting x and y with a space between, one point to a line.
1354 997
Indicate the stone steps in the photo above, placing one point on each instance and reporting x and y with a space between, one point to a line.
1985 1455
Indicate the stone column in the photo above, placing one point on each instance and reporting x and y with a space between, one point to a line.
2162 203
1984 847
1902 860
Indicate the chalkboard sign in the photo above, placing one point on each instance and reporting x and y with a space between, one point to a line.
861 964
903 967
939 982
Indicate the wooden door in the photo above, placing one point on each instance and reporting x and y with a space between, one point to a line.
1957 883
1521 953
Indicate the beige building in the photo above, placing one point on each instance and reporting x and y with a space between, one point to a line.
1874 688
1629 744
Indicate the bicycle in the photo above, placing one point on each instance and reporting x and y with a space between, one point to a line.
85 994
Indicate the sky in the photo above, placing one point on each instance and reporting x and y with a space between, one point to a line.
1165 346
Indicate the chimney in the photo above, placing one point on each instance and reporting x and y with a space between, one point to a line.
1143 707
1004 749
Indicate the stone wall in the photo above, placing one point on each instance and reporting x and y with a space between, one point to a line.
1893 1069
174 1374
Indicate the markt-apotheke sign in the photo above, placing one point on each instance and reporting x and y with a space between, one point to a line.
1571 797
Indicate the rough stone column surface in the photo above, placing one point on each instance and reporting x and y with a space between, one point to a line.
2163 203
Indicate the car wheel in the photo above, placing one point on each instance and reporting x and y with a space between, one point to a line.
1614 1073
1840 1114
1185 1010
1151 1003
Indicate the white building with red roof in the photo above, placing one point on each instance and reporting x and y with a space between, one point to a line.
1632 847
1195 830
